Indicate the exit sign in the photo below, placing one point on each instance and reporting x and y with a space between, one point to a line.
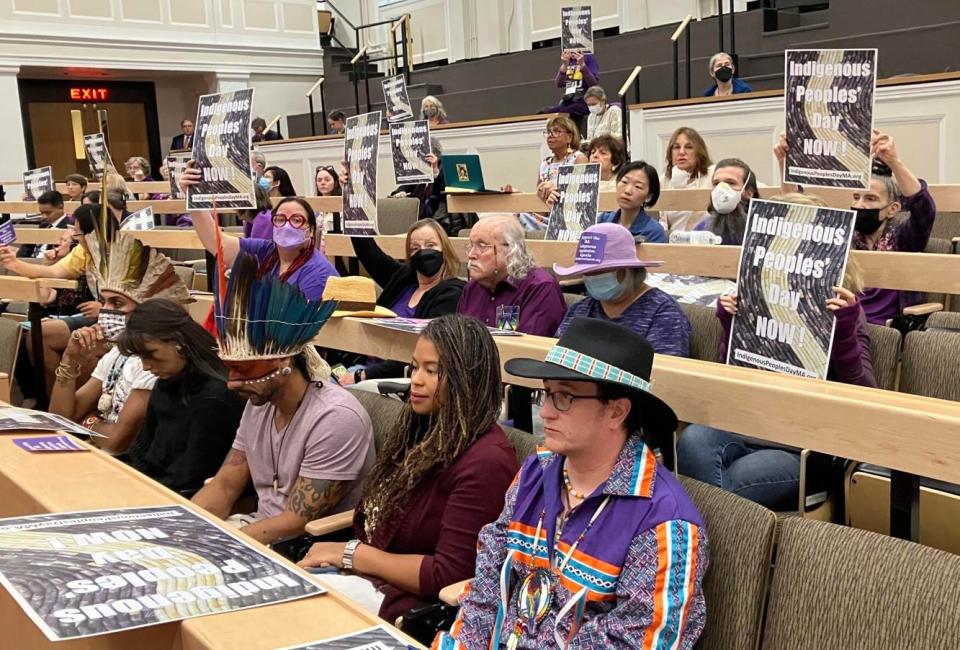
89 94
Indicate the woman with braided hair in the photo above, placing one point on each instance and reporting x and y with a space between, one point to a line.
439 478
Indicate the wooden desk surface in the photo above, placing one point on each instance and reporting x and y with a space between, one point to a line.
63 482
867 424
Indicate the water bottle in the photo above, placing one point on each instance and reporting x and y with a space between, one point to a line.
695 237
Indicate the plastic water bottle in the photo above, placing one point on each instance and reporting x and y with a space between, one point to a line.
695 237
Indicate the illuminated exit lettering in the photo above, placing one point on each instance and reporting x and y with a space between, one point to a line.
89 94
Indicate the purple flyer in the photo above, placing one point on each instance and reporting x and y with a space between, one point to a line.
7 234
590 248
49 443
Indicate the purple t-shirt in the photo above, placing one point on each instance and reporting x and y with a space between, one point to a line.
655 315
330 437
402 306
538 295
261 227
311 278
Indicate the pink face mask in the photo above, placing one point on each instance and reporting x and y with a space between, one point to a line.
288 236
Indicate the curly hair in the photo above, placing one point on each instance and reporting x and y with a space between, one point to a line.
469 383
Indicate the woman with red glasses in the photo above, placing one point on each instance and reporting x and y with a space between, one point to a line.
291 254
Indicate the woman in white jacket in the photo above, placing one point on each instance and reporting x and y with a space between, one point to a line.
688 166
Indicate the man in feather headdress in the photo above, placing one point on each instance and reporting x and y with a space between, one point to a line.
113 401
305 442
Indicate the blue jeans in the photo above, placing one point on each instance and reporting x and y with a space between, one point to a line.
769 476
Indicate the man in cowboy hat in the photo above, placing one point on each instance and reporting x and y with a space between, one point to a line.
598 544
304 442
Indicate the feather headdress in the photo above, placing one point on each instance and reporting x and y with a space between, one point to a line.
264 318
120 263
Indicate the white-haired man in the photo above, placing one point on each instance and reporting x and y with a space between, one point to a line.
506 286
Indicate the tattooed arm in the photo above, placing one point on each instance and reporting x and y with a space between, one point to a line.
218 496
311 499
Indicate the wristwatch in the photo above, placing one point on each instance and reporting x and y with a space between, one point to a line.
348 552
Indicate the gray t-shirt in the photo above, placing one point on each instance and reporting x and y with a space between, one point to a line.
330 437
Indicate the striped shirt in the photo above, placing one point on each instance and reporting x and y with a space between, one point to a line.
650 598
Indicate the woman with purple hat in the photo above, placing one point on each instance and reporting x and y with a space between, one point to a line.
615 279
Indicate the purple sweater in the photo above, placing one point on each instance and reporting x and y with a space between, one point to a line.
261 227
655 315
850 359
590 70
907 236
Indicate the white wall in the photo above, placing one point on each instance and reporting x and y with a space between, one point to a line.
509 153
923 120
466 29
187 47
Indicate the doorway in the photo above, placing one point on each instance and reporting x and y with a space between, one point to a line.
131 122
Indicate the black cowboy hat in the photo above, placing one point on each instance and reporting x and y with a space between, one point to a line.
602 352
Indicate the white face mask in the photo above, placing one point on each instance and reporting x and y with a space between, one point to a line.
679 177
596 109
725 199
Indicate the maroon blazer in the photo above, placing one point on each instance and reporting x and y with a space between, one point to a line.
443 519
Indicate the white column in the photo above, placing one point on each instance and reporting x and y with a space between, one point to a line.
633 15
230 81
459 33
13 162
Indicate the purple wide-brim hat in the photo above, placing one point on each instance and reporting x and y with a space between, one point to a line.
604 247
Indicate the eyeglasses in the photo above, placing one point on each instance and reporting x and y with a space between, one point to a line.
562 401
550 132
295 220
481 248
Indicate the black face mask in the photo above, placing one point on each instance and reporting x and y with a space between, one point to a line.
427 261
868 220
724 74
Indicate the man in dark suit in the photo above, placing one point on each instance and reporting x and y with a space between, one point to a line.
185 139
50 206
260 133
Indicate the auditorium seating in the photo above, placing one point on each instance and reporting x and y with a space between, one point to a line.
837 587
396 214
706 332
741 536
930 367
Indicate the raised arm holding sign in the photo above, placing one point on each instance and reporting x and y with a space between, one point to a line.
829 116
361 145
396 98
221 151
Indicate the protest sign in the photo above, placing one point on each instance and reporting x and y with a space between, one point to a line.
221 150
46 444
576 209
7 233
792 257
410 144
36 182
140 220
81 574
576 29
396 98
361 146
381 637
829 116
95 144
176 163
